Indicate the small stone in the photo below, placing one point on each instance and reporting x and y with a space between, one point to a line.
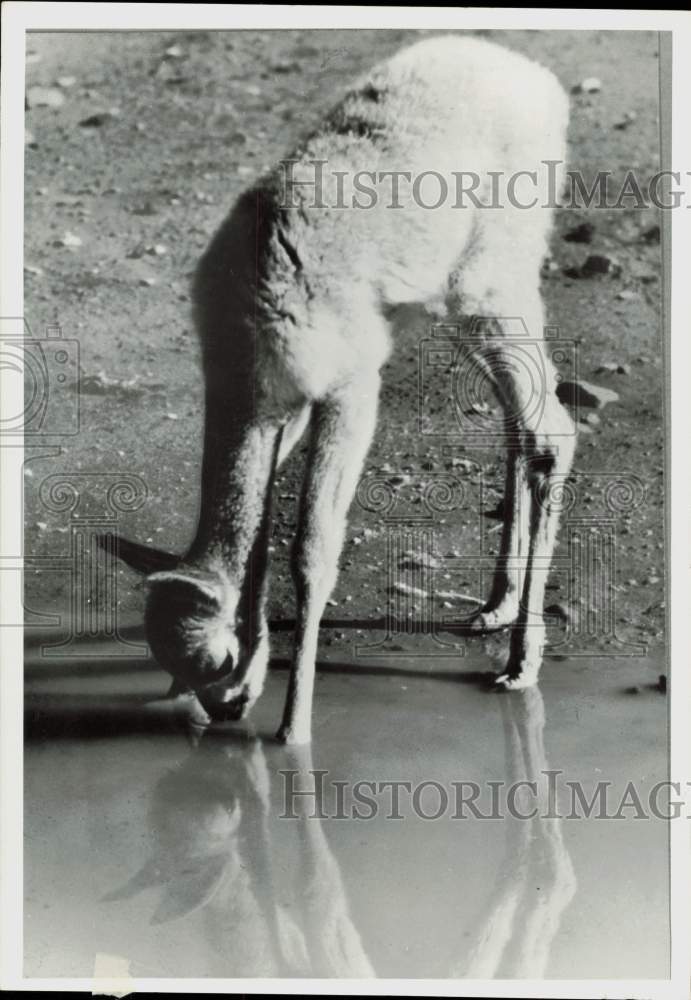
408 590
561 611
582 233
634 689
598 263
628 295
651 580
174 52
591 85
628 119
585 394
548 267
147 282
30 269
68 240
651 234
45 97
172 416
66 82
623 370
253 90
463 464
591 419
285 66
97 120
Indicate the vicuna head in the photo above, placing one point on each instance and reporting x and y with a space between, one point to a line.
191 626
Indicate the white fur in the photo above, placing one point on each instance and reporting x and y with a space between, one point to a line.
292 305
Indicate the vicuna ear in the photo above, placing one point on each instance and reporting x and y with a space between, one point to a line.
187 585
143 558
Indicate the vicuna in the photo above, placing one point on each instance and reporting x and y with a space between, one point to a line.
291 303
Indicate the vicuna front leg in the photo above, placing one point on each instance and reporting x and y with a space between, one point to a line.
501 608
340 434
547 442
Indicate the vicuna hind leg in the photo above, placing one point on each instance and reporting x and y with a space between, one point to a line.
341 430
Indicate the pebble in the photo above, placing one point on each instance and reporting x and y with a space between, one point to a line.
147 282
174 52
464 464
652 234
66 81
68 240
582 233
591 85
598 263
628 119
285 66
627 295
409 591
561 611
585 394
97 120
613 368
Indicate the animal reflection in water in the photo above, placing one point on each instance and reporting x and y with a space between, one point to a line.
216 849
536 881
212 829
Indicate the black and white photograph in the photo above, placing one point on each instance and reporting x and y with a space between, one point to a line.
344 527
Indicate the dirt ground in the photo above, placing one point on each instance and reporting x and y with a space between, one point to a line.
157 134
